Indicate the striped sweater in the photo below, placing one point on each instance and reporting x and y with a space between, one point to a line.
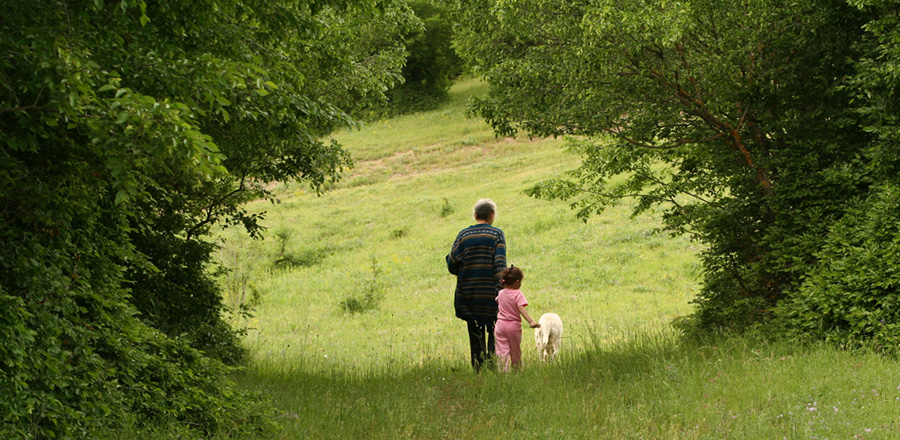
477 258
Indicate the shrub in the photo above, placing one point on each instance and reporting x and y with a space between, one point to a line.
76 359
853 293
368 296
239 259
126 132
446 208
179 297
431 64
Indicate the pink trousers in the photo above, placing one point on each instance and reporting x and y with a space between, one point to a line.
508 336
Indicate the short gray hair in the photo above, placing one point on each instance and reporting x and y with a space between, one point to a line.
484 208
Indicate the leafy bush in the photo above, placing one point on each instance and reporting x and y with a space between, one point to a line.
431 64
852 295
240 259
126 131
446 208
179 297
75 357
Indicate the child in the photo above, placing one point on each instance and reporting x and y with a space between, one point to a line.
508 330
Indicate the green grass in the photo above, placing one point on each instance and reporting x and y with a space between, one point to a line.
398 368
650 387
607 274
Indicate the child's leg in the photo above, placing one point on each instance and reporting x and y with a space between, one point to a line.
515 347
503 364
502 345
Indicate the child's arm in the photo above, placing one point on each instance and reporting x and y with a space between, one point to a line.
531 322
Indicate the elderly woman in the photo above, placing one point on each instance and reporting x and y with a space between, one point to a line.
477 258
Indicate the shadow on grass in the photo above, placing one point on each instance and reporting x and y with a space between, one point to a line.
640 379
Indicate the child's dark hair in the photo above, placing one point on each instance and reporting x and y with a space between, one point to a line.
511 275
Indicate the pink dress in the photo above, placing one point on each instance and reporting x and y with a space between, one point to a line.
508 330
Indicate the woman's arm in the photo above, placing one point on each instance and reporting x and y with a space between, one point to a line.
499 259
453 258
452 264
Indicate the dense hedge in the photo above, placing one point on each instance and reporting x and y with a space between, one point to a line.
73 355
128 129
851 297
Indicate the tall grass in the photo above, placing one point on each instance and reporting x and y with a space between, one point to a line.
652 386
399 367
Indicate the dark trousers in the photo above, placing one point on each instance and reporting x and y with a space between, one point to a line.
481 343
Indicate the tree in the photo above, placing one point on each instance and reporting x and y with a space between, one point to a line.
431 65
128 129
851 295
740 118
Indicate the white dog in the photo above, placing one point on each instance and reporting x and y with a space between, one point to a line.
548 336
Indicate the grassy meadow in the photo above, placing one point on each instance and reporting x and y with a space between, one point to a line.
354 335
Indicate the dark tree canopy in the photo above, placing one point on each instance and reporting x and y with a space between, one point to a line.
756 125
430 68
127 129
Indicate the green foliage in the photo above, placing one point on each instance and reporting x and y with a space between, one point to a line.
853 295
127 130
747 121
431 64
75 359
180 297
240 260
876 86
284 258
850 294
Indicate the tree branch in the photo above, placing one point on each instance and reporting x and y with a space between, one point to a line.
698 108
654 179
618 133
209 209
29 108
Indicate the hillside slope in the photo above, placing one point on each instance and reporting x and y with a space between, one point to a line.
386 227
398 366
